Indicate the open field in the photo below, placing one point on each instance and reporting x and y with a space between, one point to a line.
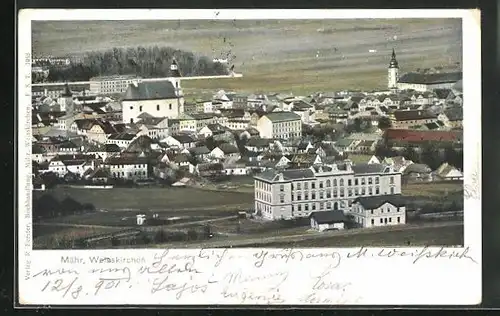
434 189
157 199
44 236
299 56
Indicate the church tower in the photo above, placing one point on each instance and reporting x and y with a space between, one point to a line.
175 79
66 101
393 72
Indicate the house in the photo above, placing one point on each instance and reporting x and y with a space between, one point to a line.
448 173
417 172
280 125
38 153
304 160
122 140
258 144
365 146
225 150
409 118
127 167
154 127
173 126
383 210
375 160
99 176
213 130
183 140
75 164
201 153
236 124
102 152
95 130
328 220
68 147
204 106
455 117
346 145
399 163
235 169
157 98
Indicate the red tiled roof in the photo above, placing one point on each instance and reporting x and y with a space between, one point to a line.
419 136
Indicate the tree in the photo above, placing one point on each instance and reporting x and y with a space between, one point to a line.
409 153
70 206
430 156
384 122
358 125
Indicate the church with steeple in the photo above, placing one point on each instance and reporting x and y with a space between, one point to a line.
157 99
393 72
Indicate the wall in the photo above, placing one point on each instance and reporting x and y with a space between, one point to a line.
385 215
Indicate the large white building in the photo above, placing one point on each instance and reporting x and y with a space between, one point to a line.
298 192
280 125
111 84
379 211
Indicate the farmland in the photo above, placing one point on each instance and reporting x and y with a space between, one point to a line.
156 199
299 56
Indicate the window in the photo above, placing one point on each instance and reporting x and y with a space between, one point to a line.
356 191
131 107
349 182
371 212
388 210
390 219
370 180
355 181
399 220
313 185
131 120
292 196
377 180
313 206
140 108
363 181
328 183
328 205
373 221
321 195
282 199
306 185
392 190
299 207
341 192
291 186
328 194
157 107
299 197
381 221
321 184
335 206
306 207
391 180
306 196
341 182
370 191
334 182
170 106
282 188
313 196
334 192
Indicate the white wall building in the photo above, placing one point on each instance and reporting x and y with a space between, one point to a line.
298 192
382 210
127 168
280 125
111 84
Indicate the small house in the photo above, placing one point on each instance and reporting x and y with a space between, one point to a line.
328 220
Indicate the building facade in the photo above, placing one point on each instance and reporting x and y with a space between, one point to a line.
280 125
111 84
295 193
393 72
376 211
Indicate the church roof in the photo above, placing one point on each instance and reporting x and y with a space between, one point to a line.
153 90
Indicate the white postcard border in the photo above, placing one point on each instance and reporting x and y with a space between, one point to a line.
367 279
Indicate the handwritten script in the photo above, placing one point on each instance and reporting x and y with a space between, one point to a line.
259 276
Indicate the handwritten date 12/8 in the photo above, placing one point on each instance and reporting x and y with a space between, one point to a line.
64 287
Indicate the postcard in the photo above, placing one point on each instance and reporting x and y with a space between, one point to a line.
249 157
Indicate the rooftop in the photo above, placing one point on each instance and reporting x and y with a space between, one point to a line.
372 202
151 90
282 117
434 78
325 217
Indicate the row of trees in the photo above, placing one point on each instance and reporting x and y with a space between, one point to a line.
142 61
47 206
431 154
